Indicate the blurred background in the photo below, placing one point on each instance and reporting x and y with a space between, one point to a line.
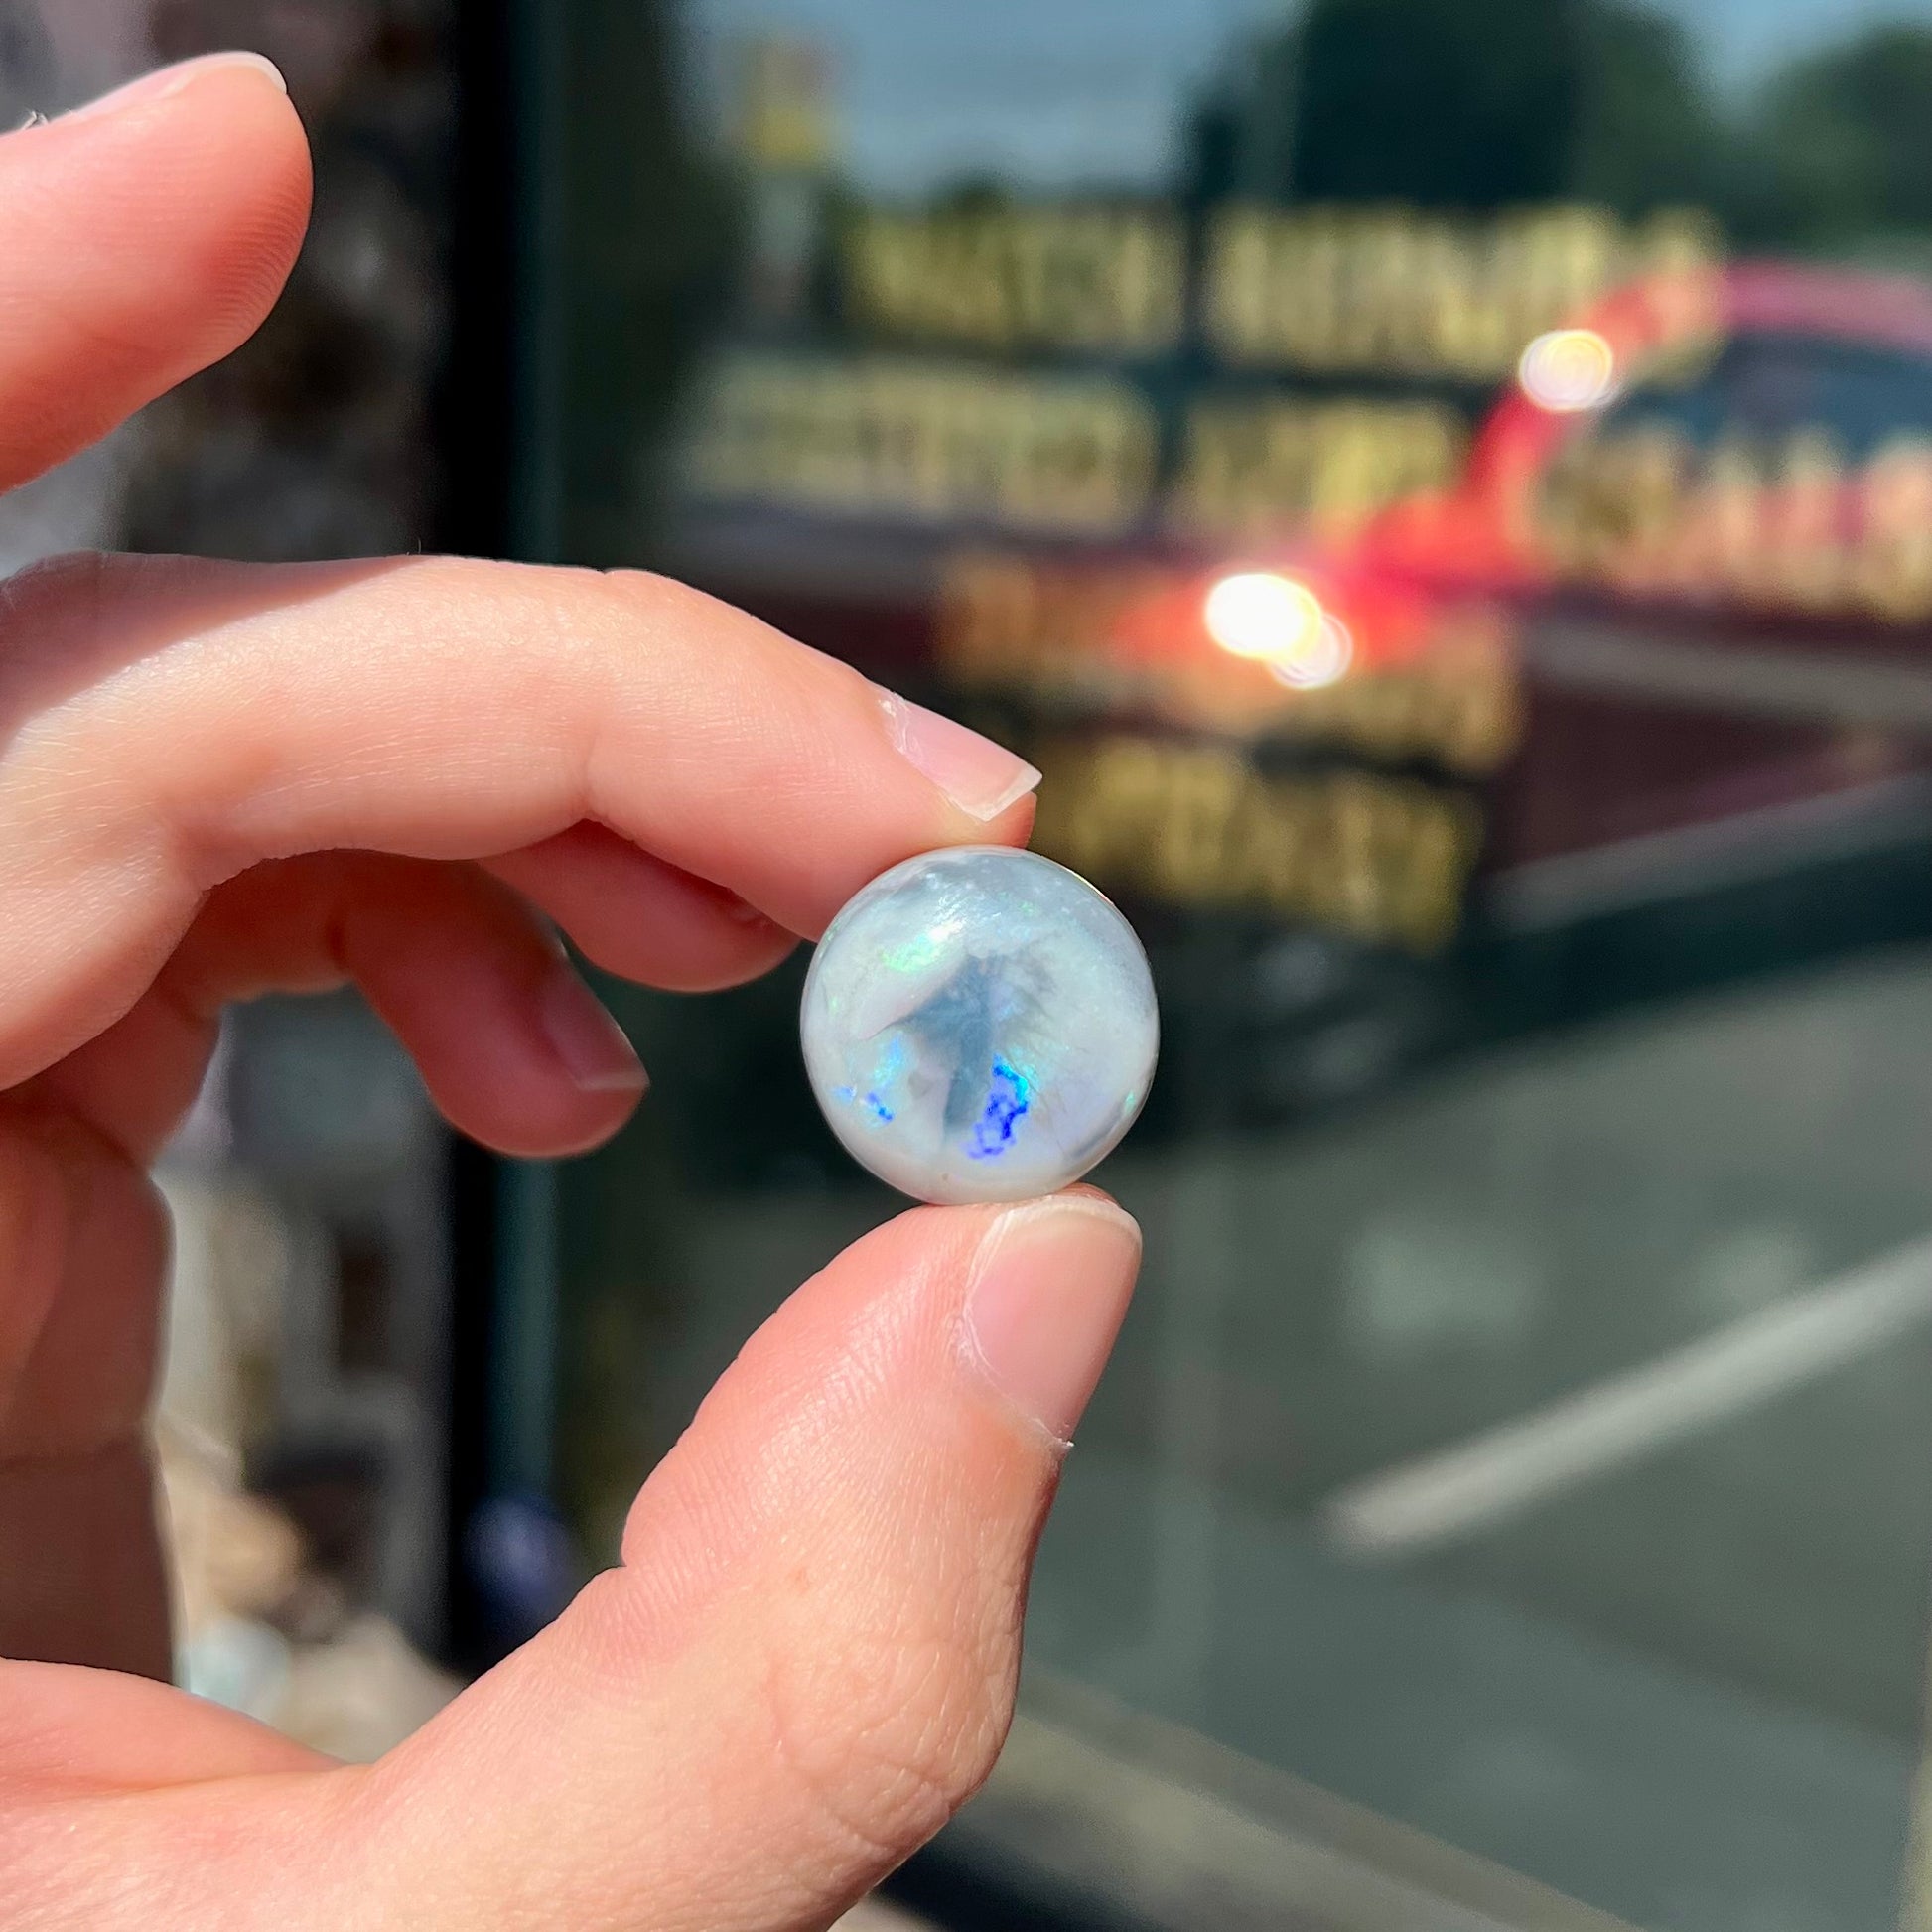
1445 496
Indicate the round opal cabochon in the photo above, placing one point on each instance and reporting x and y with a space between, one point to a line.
979 1025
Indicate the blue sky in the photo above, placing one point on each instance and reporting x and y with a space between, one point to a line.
1061 90
1746 35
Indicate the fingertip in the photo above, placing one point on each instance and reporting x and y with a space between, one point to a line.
981 780
166 81
1050 1289
539 1072
1086 1190
236 156
591 1048
141 239
1015 825
209 156
513 1048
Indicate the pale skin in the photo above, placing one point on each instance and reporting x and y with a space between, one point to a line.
215 780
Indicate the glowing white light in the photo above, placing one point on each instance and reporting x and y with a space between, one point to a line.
1257 614
1325 659
1568 370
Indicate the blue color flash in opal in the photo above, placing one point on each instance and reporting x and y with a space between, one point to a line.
874 1105
1004 1105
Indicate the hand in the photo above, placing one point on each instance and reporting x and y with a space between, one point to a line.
215 781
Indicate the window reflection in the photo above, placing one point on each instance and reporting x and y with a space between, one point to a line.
1445 496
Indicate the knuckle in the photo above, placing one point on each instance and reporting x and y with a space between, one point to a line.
672 607
658 610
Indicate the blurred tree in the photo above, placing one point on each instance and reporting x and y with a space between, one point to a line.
1648 133
1840 148
1434 103
1241 129
1211 152
1439 102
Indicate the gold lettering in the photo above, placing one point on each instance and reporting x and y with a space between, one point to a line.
1397 292
1068 276
1806 555
1254 467
881 438
1385 860
1891 570
1789 525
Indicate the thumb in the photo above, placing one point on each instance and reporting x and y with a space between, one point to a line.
806 1661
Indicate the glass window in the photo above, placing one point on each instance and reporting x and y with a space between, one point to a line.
1445 495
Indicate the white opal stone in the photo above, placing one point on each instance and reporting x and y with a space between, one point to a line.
979 1024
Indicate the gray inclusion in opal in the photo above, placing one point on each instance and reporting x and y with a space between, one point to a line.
979 1024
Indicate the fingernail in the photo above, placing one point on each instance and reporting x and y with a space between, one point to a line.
980 777
171 81
1049 1288
589 1042
742 912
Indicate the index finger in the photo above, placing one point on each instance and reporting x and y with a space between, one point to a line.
163 725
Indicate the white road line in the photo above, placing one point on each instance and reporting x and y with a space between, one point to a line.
1734 848
1813 682
1456 1492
